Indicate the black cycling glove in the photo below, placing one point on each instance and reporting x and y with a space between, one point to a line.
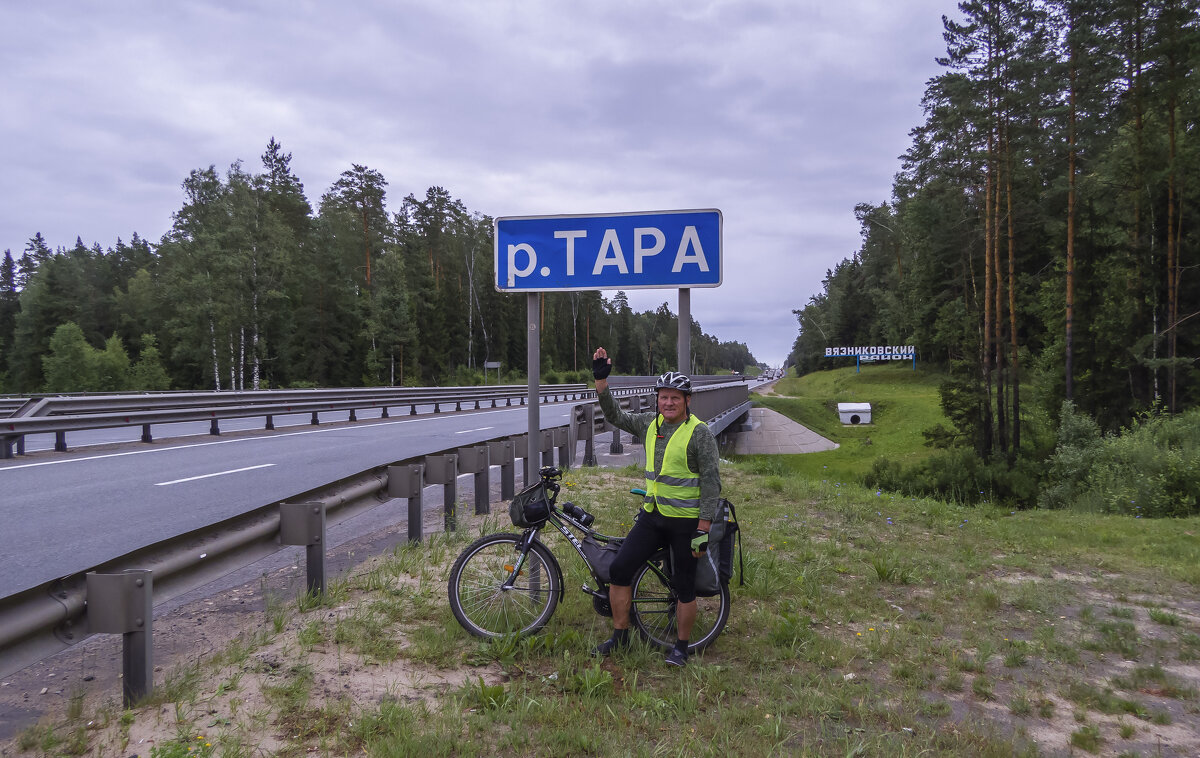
601 367
699 541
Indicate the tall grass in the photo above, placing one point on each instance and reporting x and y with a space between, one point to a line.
865 623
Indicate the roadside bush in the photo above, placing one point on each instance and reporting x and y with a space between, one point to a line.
1079 439
958 475
1151 469
465 377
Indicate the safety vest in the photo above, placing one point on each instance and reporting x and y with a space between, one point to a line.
675 489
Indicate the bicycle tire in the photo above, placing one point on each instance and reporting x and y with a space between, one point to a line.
653 608
477 595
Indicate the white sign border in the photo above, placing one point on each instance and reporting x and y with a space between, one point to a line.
720 250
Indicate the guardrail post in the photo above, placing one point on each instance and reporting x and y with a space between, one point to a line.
546 446
561 436
406 481
385 413
474 460
304 524
315 421
521 450
443 470
146 436
589 437
60 442
123 604
353 415
214 428
270 423
616 448
500 453
6 447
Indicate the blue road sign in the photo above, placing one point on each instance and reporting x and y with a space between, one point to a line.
615 251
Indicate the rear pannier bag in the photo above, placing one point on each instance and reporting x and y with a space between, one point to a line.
714 568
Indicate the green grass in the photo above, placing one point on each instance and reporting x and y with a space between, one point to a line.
903 403
862 616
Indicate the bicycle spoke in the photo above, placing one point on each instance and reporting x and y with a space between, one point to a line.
482 602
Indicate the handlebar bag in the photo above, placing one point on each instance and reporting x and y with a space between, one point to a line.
530 507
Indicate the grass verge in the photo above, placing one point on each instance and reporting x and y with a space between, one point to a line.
867 625
903 402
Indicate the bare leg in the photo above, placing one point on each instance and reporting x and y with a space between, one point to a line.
620 598
685 616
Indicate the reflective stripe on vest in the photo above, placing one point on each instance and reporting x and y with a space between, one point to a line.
675 489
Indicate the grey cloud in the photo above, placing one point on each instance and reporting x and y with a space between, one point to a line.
783 113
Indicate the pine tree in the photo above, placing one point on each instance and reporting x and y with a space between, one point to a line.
112 366
9 299
148 373
70 365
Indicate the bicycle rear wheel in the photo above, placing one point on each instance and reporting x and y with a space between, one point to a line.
481 602
653 609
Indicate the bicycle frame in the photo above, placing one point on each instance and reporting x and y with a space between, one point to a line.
564 524
498 564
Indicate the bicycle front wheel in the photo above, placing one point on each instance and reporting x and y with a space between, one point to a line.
485 606
654 606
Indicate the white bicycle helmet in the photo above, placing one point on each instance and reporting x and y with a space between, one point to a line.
673 380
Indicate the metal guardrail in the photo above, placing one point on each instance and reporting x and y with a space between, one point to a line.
53 405
113 597
75 413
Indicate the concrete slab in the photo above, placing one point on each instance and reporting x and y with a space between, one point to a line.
773 433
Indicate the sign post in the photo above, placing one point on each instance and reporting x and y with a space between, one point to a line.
618 251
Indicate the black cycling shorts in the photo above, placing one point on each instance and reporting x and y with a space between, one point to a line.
651 532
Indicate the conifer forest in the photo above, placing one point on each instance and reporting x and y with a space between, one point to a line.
254 288
1041 239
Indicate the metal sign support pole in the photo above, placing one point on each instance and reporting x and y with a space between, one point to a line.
533 366
685 330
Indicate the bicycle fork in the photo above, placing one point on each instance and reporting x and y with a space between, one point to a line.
518 567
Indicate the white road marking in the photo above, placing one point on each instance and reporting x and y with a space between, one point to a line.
239 439
480 429
209 476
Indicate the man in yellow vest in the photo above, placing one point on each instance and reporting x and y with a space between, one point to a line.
683 489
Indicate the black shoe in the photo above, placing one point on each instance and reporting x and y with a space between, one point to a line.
677 657
605 649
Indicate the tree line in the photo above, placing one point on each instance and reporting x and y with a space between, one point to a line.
252 287
1041 238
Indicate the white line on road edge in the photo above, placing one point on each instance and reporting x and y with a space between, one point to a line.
209 476
480 429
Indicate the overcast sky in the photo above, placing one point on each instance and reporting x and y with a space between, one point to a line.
781 113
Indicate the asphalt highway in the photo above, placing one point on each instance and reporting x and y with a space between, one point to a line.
61 513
